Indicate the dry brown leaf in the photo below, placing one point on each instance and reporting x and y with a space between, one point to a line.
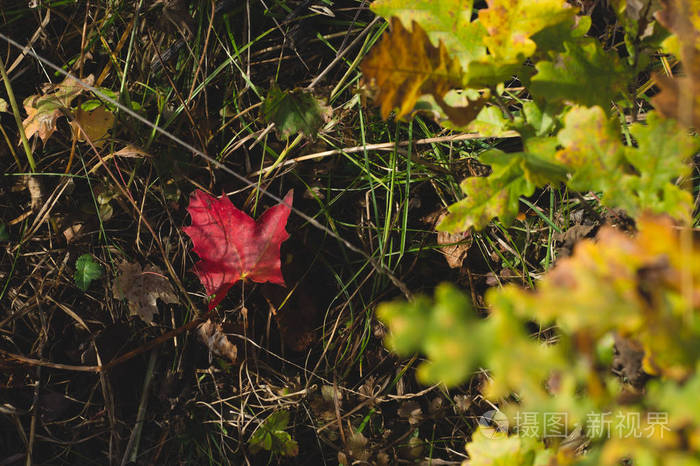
142 288
406 65
216 340
454 246
44 110
132 151
95 123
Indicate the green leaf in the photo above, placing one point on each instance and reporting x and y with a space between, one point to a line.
443 330
584 74
662 155
592 149
490 448
271 436
498 195
490 122
511 24
86 270
553 38
448 21
293 112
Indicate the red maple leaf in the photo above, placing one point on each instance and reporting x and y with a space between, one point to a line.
232 246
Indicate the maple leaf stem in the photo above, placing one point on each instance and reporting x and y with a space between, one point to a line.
18 119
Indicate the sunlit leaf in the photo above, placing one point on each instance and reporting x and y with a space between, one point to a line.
447 21
511 24
498 195
406 65
583 74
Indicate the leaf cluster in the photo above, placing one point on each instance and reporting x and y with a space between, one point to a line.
572 115
643 290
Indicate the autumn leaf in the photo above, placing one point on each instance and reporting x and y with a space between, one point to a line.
212 334
44 110
232 246
447 21
593 152
498 195
142 288
511 24
406 65
96 123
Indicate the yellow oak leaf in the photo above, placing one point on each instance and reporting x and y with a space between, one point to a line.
406 66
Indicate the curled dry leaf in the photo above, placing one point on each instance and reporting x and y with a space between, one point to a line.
44 110
216 340
454 245
142 288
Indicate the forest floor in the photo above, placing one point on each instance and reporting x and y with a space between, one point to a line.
86 378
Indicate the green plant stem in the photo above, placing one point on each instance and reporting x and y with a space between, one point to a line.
18 119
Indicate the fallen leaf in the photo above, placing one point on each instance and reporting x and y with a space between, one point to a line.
86 270
216 340
454 246
132 151
142 288
95 123
293 112
232 246
44 110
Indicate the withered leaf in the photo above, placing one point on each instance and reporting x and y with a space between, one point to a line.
43 110
216 340
406 65
142 288
454 246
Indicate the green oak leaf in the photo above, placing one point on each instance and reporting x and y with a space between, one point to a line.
86 270
553 38
443 330
293 112
594 153
491 448
498 195
585 74
592 149
448 21
490 122
661 156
